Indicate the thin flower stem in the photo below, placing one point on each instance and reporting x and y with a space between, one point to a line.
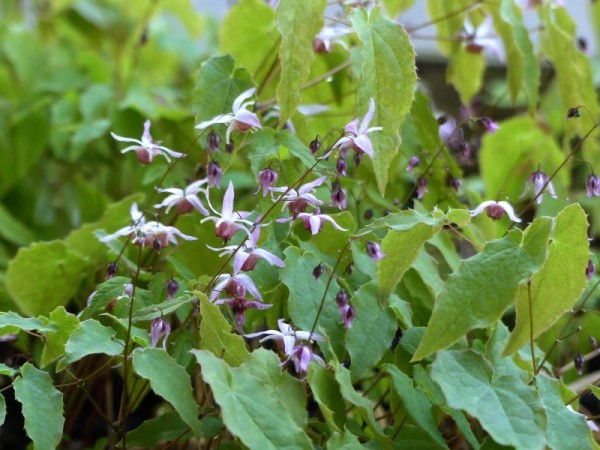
447 16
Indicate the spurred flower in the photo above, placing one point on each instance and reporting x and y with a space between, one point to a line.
482 38
592 186
185 200
374 251
228 222
239 306
235 285
496 210
338 196
302 355
412 163
159 329
314 221
156 235
146 148
421 187
214 173
267 178
240 119
286 335
330 35
538 181
298 200
357 136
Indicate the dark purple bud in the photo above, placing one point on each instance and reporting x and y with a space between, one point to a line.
338 196
582 44
593 342
412 163
229 146
172 287
387 212
156 245
348 314
357 159
442 120
454 183
421 187
495 212
590 270
341 166
314 145
318 270
374 251
213 141
267 178
368 214
592 186
489 125
111 270
342 298
214 174
159 328
573 112
579 361
349 269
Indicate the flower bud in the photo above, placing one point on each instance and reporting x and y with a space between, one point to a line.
341 166
348 314
319 46
111 270
172 287
318 270
421 187
349 269
214 174
267 178
579 361
590 270
213 141
495 212
592 186
573 112
374 251
454 183
342 298
489 125
229 146
593 342
314 145
368 214
357 159
159 328
338 196
464 151
412 163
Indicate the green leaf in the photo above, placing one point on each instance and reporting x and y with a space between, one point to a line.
12 320
262 406
162 308
388 77
346 441
90 338
363 405
13 230
8 371
43 276
595 390
327 394
507 408
485 285
216 335
248 33
395 7
167 427
42 406
170 381
2 409
560 282
465 72
401 249
372 330
566 429
55 341
415 402
218 85
298 23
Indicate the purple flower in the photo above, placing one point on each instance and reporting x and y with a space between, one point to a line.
357 135
481 38
421 187
412 163
214 142
348 314
235 285
298 200
592 186
267 178
227 222
489 125
496 210
318 270
539 181
341 166
328 36
214 174
374 251
239 306
171 286
185 200
146 149
338 196
286 335
590 270
315 221
301 356
159 328
240 119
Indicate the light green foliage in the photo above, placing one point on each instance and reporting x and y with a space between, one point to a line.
508 409
388 77
416 403
327 395
465 72
90 338
42 406
345 441
484 286
559 283
395 7
298 23
261 405
10 321
54 346
13 230
216 335
372 330
170 381
2 409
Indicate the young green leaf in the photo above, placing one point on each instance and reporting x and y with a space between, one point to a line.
42 406
54 346
170 381
327 394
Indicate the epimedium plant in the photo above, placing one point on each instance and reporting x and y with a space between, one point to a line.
328 262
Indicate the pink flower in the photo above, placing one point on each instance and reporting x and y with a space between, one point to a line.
592 186
185 200
539 181
267 178
240 119
328 36
227 222
374 251
138 221
315 221
286 335
482 38
239 306
489 125
301 356
298 200
235 285
146 149
496 210
159 328
357 135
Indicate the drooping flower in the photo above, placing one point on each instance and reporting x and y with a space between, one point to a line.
421 187
240 119
159 328
302 355
357 136
338 196
592 186
298 200
314 145
286 335
496 210
412 163
341 166
239 306
314 221
489 125
171 286
374 251
185 200
228 222
329 36
213 142
590 270
267 178
235 285
482 38
214 173
538 181
146 148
